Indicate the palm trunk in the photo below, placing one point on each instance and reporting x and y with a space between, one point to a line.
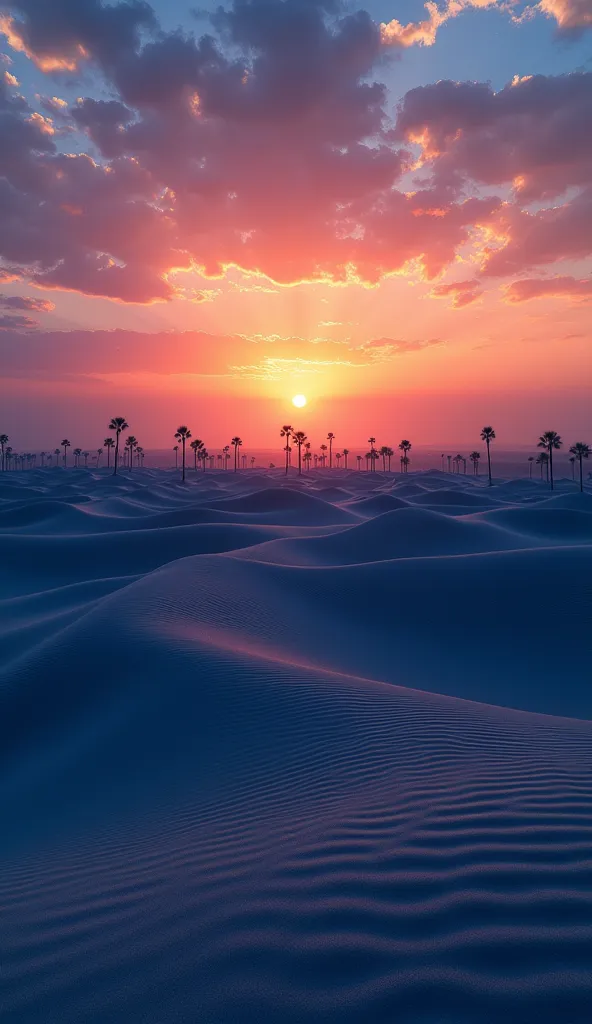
551 464
299 460
488 463
581 475
183 476
330 454
287 452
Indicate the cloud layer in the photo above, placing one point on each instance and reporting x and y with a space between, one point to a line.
219 151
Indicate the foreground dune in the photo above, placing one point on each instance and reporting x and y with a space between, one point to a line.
303 751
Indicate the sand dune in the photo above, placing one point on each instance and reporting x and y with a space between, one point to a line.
294 751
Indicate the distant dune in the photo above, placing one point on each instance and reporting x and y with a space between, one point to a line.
311 750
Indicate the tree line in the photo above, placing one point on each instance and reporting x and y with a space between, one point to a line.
125 454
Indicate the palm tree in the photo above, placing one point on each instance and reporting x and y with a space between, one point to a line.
551 441
77 453
176 451
226 451
530 462
359 461
57 454
203 455
543 460
488 435
323 448
286 432
330 439
384 453
42 457
65 445
253 461
108 443
307 457
99 453
4 439
299 438
405 447
581 451
345 455
474 457
338 457
389 455
442 457
371 442
197 447
572 462
118 423
85 456
236 441
183 434
130 444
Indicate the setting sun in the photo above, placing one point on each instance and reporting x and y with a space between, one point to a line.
299 401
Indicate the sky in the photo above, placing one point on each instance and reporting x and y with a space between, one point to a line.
206 211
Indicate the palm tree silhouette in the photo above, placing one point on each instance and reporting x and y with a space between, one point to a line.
65 445
345 455
551 441
253 461
338 457
183 434
130 444
226 451
359 461
85 456
99 453
118 423
197 447
176 451
42 457
543 460
405 447
236 441
204 459
299 438
4 439
572 463
307 457
323 448
330 439
488 435
384 453
474 457
581 451
57 454
530 462
370 456
77 453
108 443
286 432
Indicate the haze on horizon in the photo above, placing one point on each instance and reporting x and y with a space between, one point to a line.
386 209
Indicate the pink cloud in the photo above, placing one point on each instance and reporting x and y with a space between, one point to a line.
551 287
462 293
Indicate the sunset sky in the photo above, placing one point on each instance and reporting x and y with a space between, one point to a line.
205 212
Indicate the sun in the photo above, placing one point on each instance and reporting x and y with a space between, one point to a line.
299 401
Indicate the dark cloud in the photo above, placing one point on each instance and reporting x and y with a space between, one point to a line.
27 303
9 322
531 133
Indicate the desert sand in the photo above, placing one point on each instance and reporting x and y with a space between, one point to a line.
307 750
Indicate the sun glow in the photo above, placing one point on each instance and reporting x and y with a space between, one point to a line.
299 401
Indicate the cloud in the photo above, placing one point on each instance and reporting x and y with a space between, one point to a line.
220 152
550 287
538 239
462 293
26 303
9 322
530 133
386 348
572 17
